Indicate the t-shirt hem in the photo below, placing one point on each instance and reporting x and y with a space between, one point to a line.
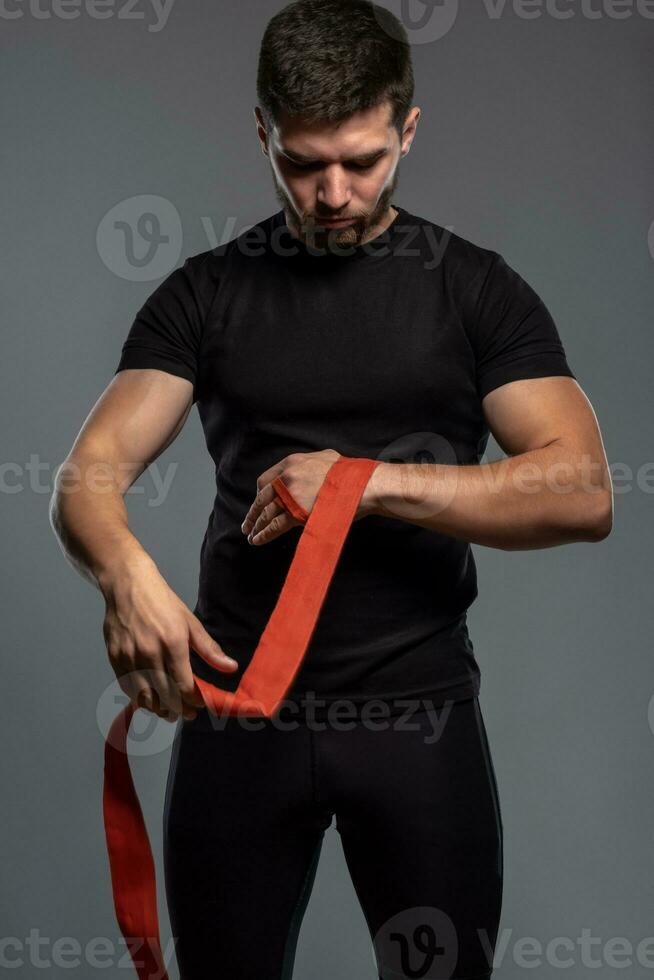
523 371
145 357
392 702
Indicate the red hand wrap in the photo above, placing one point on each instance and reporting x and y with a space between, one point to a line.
263 685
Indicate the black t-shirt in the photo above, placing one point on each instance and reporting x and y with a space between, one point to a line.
384 351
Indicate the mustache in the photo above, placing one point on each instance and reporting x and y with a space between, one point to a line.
335 217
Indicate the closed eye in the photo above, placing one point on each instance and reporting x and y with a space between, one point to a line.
303 166
312 166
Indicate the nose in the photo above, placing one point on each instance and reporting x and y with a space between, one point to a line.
333 190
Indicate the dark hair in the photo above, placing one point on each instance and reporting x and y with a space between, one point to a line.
326 59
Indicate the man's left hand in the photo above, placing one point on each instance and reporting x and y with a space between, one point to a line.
303 474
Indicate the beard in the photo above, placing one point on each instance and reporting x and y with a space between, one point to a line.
335 240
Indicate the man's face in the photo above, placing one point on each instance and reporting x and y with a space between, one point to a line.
327 171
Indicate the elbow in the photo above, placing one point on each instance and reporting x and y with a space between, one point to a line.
59 496
55 517
598 519
53 513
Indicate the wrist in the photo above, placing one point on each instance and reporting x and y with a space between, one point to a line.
404 490
121 570
379 491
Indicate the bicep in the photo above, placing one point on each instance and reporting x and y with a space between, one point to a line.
138 415
532 413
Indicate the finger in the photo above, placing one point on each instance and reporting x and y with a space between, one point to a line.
148 699
136 687
269 475
191 700
166 691
161 710
266 515
278 525
143 694
207 648
145 698
265 496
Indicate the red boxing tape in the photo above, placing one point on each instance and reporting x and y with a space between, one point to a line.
264 683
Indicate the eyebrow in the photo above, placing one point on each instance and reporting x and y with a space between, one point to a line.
360 157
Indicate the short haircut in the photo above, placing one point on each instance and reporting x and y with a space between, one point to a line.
324 60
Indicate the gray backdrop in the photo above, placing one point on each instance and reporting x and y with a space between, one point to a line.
536 141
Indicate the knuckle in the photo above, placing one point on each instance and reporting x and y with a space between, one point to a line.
174 698
126 687
123 661
149 651
186 702
176 639
117 654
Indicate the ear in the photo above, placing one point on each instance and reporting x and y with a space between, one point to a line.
261 130
409 130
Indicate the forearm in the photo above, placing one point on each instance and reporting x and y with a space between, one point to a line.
89 518
537 499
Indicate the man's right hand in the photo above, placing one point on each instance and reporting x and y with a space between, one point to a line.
149 632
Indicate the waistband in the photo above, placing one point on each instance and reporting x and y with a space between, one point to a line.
341 713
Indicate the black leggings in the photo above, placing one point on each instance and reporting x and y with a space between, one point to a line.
417 810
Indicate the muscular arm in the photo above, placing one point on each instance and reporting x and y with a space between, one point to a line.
136 418
553 488
148 630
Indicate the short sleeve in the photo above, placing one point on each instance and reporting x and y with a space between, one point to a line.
512 332
167 330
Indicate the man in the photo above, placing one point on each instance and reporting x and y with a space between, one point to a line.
341 325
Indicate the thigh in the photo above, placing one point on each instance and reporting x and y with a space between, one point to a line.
241 847
422 836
